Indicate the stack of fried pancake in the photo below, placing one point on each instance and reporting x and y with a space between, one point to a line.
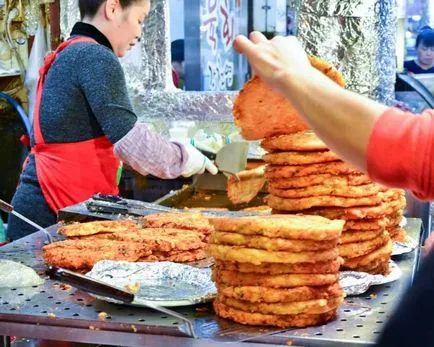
279 270
397 202
166 237
304 176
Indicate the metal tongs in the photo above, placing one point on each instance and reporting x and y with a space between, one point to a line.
100 288
8 208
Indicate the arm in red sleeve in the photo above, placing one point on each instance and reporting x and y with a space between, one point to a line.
401 151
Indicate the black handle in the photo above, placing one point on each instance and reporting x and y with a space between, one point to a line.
209 155
89 284
109 198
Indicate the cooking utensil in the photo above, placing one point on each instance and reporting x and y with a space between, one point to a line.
8 208
231 158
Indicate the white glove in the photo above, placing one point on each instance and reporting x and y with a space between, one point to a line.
197 163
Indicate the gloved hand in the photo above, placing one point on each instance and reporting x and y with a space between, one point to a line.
197 163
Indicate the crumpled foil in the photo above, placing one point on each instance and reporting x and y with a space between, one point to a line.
404 247
31 16
356 283
162 283
69 15
16 275
357 37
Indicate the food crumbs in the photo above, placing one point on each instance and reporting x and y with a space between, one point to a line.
102 316
133 288
65 286
134 328
202 309
91 327
289 343
373 296
51 315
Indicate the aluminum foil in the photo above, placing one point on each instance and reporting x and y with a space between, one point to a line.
356 283
31 16
69 15
16 275
357 37
404 247
160 283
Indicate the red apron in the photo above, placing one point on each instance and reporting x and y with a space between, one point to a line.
71 172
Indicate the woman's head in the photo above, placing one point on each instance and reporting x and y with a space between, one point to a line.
119 20
425 46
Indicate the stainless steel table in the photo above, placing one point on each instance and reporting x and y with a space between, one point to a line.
51 311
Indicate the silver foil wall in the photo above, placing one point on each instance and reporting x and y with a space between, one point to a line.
357 37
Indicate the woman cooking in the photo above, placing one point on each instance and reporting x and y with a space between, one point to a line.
84 124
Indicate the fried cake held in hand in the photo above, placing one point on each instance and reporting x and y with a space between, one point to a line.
301 141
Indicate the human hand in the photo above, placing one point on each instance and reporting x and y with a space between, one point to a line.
197 163
274 60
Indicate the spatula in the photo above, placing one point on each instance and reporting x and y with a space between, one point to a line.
231 158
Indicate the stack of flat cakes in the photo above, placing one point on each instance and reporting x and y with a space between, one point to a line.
279 270
88 243
395 198
304 176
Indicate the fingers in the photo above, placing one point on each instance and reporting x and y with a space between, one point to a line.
210 167
257 37
244 46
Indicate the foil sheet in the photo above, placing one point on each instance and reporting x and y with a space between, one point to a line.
31 17
16 275
357 37
356 283
160 283
69 15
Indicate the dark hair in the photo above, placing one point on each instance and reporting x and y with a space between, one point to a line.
425 37
177 50
89 8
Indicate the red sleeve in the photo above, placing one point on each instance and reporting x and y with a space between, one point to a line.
401 151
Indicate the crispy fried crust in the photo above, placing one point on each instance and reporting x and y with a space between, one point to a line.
350 236
258 209
381 254
258 256
398 234
288 171
260 112
236 279
185 221
323 179
299 158
83 254
365 212
256 294
323 190
301 141
300 204
326 267
358 249
289 308
394 220
162 240
292 321
284 226
377 266
179 257
392 194
243 190
97 227
362 224
270 244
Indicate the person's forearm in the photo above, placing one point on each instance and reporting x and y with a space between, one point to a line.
344 120
149 153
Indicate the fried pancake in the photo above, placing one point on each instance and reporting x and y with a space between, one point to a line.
288 171
350 236
323 190
97 227
392 194
394 220
162 240
84 254
382 253
323 179
284 226
362 224
246 185
300 204
232 278
287 321
377 266
179 257
185 221
258 256
261 112
400 235
284 308
259 209
363 212
358 249
256 294
299 158
301 141
326 267
270 244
